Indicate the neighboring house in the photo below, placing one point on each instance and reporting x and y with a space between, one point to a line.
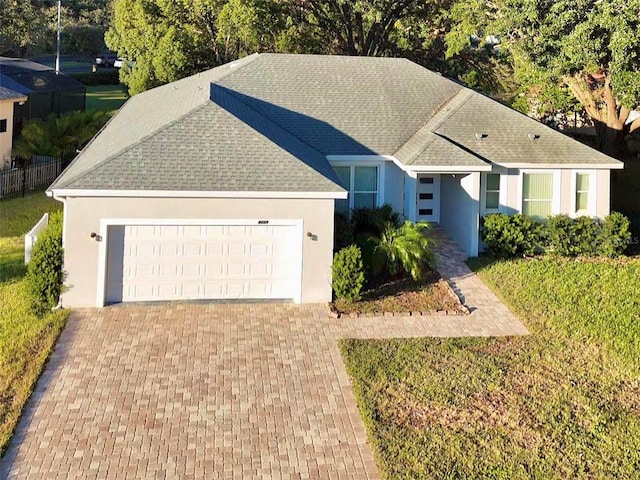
224 184
8 98
48 91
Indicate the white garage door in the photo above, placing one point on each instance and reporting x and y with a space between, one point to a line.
186 262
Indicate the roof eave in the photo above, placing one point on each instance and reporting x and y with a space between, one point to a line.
448 168
614 165
70 192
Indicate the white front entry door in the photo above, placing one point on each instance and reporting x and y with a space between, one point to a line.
428 198
186 262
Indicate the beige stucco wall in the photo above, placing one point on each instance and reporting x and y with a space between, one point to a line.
83 214
566 193
6 113
603 197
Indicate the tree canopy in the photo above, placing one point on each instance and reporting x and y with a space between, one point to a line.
170 39
29 27
566 52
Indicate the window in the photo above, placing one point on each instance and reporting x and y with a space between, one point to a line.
582 193
3 125
492 197
362 184
537 194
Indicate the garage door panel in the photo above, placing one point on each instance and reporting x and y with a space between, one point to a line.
172 262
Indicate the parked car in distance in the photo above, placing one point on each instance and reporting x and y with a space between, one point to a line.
120 62
106 59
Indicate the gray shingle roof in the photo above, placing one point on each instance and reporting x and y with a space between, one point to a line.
266 123
343 105
510 138
427 149
236 152
143 115
8 94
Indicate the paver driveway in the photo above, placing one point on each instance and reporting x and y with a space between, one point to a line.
205 391
217 391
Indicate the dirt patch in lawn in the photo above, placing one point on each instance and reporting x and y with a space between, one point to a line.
433 294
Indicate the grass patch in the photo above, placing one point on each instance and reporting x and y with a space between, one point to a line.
563 402
594 300
106 97
403 295
18 215
25 339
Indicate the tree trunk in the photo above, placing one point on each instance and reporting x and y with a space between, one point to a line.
610 138
609 117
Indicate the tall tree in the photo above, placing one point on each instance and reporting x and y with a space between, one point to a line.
169 39
362 27
585 51
23 26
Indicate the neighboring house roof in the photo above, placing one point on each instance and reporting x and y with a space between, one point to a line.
25 76
8 94
268 122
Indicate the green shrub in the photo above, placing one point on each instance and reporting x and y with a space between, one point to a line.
572 237
44 273
512 235
403 248
342 232
348 273
101 77
373 221
615 235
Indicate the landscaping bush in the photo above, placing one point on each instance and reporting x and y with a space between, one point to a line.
342 232
372 221
348 273
572 237
403 248
44 273
512 235
615 235
103 77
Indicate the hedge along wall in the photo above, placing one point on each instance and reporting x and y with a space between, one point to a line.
102 77
518 235
45 271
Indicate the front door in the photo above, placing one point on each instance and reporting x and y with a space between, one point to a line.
428 198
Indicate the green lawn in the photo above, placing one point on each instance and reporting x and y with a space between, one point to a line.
106 97
561 403
25 339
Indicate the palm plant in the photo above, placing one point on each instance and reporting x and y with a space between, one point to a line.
58 137
403 248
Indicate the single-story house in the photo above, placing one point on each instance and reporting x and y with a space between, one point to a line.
8 98
48 92
224 185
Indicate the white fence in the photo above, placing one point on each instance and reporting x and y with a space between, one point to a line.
37 175
31 237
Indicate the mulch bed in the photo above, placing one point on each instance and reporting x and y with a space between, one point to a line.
432 296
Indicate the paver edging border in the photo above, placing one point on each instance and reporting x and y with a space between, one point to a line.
461 310
333 313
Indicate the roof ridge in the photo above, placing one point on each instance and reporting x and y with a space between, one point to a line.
434 121
279 125
450 107
124 150
231 93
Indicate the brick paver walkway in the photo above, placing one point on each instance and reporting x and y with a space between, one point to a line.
215 391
